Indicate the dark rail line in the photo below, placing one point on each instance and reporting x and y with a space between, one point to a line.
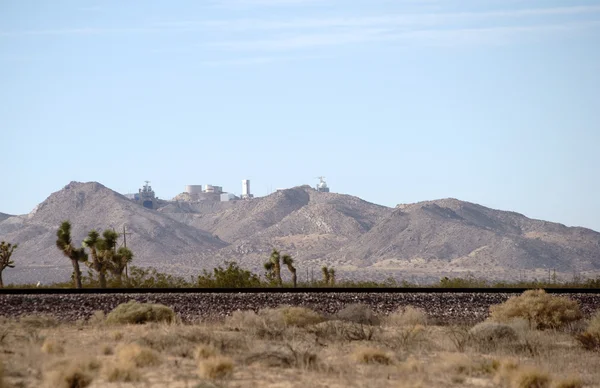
324 290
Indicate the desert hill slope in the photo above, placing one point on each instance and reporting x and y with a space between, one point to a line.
4 216
423 240
157 239
458 236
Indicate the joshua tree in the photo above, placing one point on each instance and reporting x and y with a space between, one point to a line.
325 272
287 260
76 255
273 267
92 241
328 276
119 261
6 251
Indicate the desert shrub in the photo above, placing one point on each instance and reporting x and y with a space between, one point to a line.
230 277
134 312
137 355
344 331
215 367
117 335
205 351
569 382
127 372
70 374
531 378
358 313
51 346
368 355
590 338
407 336
540 309
489 335
299 316
38 321
406 316
272 322
1 375
459 336
97 318
107 350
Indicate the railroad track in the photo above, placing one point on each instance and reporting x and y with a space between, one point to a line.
443 305
324 290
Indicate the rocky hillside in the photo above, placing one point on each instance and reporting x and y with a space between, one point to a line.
155 238
418 241
4 216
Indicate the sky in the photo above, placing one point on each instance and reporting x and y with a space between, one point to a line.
490 101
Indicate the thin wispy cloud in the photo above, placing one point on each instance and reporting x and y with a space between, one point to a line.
243 4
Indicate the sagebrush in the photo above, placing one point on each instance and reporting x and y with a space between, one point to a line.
541 310
135 312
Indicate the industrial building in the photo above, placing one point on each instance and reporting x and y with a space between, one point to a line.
322 186
145 196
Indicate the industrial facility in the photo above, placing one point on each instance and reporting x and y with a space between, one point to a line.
196 193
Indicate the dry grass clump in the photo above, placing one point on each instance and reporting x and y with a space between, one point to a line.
137 355
218 367
590 338
406 316
531 377
490 335
122 372
569 382
358 313
369 355
272 322
134 312
540 309
71 374
39 321
51 346
97 318
205 351
299 316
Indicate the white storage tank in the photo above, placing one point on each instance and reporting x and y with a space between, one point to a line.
193 189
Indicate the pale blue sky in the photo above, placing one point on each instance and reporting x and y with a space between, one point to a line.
491 101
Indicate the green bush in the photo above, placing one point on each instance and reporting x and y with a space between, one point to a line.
134 312
230 277
540 309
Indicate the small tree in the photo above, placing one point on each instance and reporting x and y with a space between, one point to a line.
6 251
119 261
273 267
76 255
230 277
93 242
289 262
328 276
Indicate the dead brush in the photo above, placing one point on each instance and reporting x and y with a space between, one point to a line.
1 375
407 337
69 373
344 331
590 338
406 316
459 336
287 356
370 355
38 321
137 355
127 373
51 346
215 367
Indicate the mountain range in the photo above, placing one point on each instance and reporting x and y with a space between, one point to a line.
418 242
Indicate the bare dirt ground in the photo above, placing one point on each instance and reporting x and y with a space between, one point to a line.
266 350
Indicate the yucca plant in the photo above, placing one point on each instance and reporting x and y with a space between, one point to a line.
76 255
273 268
289 262
6 251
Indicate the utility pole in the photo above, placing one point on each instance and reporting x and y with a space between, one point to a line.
125 245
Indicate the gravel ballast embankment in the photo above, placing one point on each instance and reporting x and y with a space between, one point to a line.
441 307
